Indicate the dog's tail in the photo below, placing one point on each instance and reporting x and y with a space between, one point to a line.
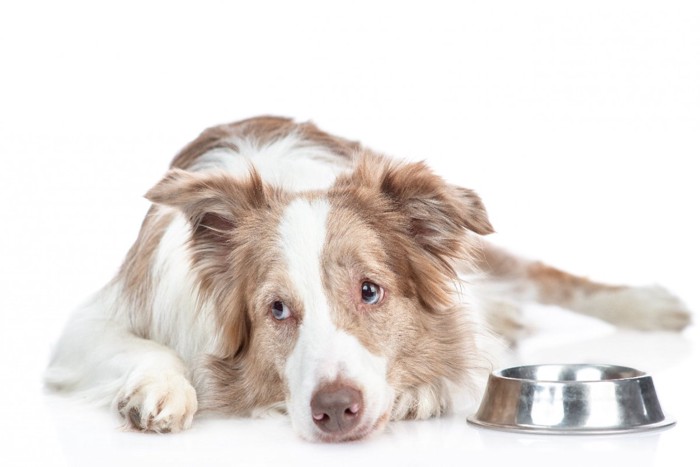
505 280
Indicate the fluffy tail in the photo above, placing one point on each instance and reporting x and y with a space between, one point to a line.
506 281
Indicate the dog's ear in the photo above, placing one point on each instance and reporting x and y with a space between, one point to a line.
212 202
435 207
437 210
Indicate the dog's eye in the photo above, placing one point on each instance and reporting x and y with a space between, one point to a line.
372 294
280 311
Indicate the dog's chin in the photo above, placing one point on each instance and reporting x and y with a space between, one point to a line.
362 431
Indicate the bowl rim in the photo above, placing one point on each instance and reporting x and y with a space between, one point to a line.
636 373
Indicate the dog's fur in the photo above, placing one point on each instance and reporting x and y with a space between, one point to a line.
245 290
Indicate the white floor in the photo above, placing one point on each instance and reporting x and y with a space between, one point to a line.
45 429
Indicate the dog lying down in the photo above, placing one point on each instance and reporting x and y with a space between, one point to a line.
284 268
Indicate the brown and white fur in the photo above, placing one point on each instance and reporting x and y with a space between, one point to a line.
284 268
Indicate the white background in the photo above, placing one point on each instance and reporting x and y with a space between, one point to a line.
577 122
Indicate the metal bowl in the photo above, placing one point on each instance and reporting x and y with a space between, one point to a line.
570 399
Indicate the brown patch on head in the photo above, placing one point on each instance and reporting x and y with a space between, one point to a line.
401 227
262 130
237 258
424 218
232 220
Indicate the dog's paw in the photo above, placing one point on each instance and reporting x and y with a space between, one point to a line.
651 308
160 403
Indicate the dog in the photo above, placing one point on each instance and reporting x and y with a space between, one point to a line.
281 268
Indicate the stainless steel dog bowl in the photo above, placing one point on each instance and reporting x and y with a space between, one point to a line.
570 399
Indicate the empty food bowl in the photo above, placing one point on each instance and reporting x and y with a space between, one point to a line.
570 399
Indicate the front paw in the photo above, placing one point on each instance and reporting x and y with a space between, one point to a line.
160 403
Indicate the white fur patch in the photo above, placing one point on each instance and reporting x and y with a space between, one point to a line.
323 353
99 358
290 162
179 319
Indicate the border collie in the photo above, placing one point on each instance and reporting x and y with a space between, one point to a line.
283 268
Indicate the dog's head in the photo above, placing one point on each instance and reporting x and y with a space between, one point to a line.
339 303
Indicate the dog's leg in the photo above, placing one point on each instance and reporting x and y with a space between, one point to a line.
511 277
146 382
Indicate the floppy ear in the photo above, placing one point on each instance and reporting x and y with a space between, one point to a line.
212 202
438 211
436 208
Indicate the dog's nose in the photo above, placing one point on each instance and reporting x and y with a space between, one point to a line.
336 408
